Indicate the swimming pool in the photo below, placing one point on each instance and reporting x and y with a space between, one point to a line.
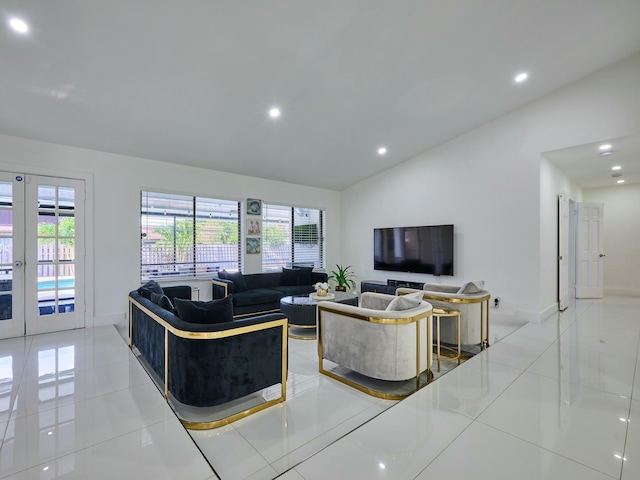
50 283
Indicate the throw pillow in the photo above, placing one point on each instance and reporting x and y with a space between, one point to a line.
306 276
404 302
472 287
215 311
161 300
239 285
150 287
290 277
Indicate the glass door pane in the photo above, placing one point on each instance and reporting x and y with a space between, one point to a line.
6 250
56 249
11 255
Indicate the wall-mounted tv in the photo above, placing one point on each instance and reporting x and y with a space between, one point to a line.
427 249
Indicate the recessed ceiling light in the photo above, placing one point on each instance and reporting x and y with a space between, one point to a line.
19 25
606 154
621 181
617 167
521 77
274 112
382 151
605 146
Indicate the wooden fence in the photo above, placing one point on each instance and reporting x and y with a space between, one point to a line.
46 259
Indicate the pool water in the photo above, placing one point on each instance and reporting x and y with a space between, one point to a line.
50 283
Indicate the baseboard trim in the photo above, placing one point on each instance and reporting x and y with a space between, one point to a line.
109 319
622 292
537 317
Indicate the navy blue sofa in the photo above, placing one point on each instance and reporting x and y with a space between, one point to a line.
261 292
206 365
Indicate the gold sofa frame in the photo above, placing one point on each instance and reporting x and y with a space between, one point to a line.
168 328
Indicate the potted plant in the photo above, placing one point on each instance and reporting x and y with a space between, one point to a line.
343 277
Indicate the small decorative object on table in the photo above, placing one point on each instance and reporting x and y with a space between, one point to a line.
322 288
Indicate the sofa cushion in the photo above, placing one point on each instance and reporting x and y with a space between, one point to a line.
306 276
161 300
239 284
472 287
290 277
405 302
294 290
215 311
150 287
256 296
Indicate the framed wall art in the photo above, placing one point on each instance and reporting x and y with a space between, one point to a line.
253 245
254 206
254 226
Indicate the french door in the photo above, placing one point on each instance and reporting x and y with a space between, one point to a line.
42 254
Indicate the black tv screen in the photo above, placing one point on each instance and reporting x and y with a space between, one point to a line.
427 249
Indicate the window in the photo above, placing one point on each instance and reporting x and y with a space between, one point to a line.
292 236
187 236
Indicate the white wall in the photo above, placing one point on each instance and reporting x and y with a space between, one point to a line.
117 182
489 183
621 236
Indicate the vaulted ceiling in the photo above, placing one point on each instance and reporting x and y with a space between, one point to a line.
192 82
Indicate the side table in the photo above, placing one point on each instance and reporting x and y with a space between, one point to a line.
439 313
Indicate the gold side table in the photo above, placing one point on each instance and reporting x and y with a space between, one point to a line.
439 313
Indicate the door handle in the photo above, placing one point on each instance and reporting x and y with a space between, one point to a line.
602 255
18 264
559 257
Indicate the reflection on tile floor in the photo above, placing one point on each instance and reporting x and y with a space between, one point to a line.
77 404
555 400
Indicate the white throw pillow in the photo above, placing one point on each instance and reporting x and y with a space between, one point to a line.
472 287
405 302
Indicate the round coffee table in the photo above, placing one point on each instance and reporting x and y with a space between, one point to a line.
301 310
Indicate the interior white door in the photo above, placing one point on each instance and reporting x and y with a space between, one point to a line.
590 251
11 255
563 252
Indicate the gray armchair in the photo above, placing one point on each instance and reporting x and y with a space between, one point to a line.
473 303
375 342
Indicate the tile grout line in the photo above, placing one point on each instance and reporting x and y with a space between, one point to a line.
476 419
631 400
544 448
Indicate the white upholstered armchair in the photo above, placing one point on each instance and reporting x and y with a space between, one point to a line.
377 340
473 303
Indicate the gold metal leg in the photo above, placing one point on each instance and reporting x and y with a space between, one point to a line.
447 313
438 333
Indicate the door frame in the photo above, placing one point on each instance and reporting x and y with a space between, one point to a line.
88 178
571 249
563 251
573 223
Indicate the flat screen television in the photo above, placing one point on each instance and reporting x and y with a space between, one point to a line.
427 249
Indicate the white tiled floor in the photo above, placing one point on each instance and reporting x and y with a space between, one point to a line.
557 400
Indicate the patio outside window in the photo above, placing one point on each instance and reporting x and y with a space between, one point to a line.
187 236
